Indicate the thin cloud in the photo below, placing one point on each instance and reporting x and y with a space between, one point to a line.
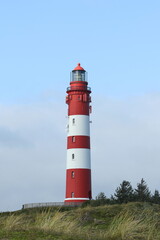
12 139
124 139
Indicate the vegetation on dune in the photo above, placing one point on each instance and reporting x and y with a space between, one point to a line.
131 221
129 214
125 193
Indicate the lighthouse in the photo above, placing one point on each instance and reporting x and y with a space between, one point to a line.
78 168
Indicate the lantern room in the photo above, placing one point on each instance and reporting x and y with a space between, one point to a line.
78 74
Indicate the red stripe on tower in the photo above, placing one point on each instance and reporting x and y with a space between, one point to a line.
78 142
78 172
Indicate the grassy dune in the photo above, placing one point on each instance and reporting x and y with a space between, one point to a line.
133 221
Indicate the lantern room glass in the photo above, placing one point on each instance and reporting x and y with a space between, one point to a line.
78 76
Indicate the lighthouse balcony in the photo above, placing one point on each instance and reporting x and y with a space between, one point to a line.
77 88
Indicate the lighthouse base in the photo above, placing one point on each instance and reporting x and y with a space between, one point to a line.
78 187
75 202
76 199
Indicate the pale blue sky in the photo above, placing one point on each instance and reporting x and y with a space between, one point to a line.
118 43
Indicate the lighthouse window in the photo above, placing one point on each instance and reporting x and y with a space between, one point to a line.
73 120
73 139
80 98
72 194
72 174
72 155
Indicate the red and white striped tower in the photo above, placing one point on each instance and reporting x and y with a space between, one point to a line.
78 172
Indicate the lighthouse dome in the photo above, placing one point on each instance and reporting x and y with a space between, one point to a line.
78 68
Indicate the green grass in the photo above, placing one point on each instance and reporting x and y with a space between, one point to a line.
132 221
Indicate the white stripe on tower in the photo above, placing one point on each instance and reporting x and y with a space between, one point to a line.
78 158
78 125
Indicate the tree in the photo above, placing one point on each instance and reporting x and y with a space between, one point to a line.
142 192
101 196
124 193
156 197
101 199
